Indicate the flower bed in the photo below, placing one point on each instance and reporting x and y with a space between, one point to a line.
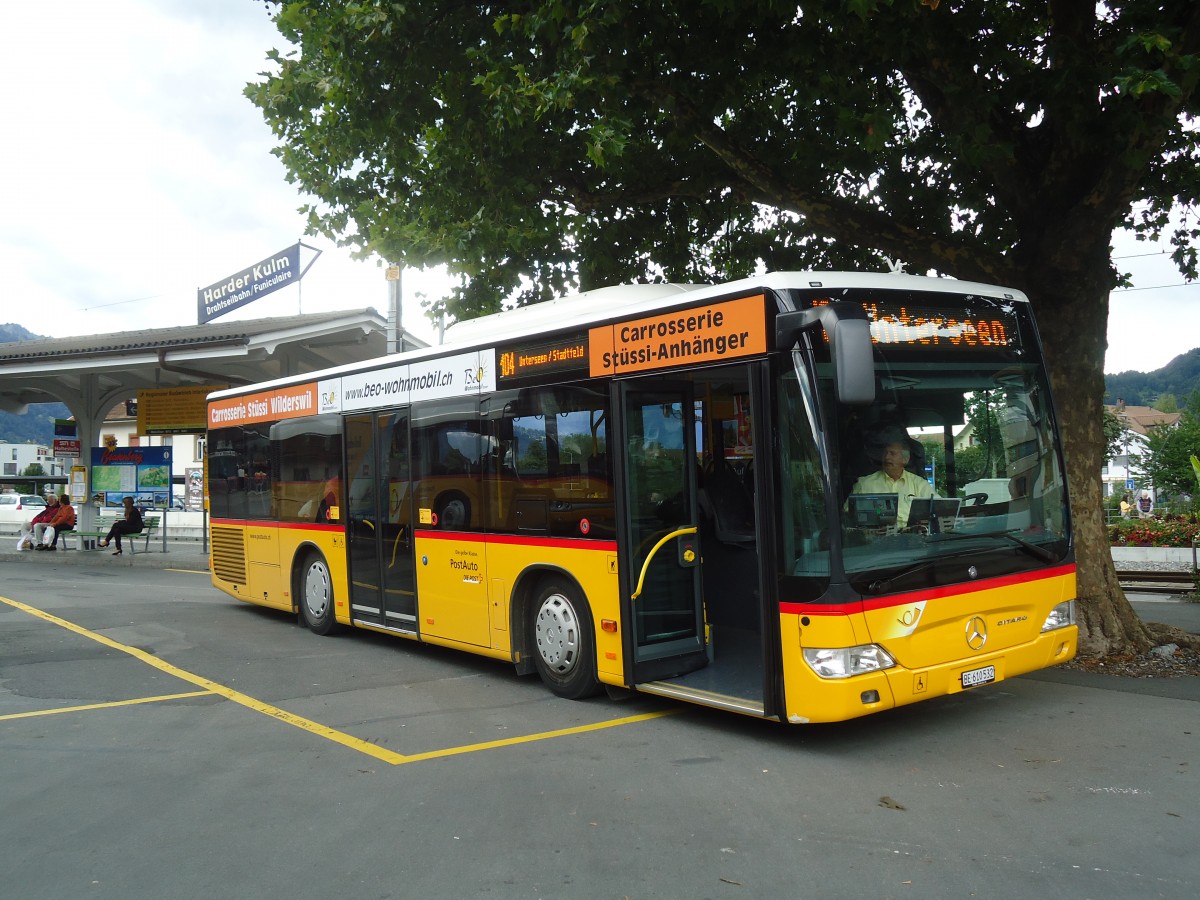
1167 531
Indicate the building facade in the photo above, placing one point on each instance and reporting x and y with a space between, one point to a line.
15 459
1122 473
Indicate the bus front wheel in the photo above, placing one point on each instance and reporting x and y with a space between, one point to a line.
316 595
564 651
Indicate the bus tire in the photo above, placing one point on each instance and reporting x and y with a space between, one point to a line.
560 634
316 595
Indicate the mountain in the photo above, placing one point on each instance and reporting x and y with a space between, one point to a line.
1180 377
13 332
37 425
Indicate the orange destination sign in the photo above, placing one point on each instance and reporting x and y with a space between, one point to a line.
713 333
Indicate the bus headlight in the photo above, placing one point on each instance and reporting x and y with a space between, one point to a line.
1060 617
844 662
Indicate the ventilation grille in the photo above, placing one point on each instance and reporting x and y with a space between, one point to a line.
229 554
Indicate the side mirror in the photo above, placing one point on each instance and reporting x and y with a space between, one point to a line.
849 331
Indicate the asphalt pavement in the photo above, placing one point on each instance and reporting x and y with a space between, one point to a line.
160 739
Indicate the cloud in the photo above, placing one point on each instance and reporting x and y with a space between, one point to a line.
135 170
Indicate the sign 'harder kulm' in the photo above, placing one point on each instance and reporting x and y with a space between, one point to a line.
252 283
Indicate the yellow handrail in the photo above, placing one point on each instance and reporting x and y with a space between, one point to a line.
691 529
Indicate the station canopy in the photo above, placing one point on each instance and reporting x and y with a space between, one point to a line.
102 369
90 374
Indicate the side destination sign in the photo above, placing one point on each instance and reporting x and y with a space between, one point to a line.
563 355
712 333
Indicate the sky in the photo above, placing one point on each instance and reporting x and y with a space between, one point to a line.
134 171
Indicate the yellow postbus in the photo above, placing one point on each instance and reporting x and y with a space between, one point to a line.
804 497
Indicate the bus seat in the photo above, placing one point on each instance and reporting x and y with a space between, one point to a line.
725 501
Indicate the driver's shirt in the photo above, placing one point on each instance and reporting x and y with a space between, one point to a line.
907 486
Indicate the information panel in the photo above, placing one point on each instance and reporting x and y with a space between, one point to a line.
178 410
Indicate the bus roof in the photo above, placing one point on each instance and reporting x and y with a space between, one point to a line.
578 311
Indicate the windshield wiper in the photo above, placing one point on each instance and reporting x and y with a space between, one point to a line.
1032 549
880 585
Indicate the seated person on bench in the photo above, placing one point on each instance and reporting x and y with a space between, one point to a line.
131 524
64 520
39 523
893 478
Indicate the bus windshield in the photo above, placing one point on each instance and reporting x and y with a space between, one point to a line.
952 474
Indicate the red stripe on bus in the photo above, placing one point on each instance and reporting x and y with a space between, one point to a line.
873 603
468 536
518 541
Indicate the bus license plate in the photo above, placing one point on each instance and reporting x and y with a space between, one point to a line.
975 677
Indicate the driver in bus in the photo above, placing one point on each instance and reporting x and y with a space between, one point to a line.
893 478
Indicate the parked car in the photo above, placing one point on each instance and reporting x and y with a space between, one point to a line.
17 509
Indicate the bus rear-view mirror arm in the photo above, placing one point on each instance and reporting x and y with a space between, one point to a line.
849 332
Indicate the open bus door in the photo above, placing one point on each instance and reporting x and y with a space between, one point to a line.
379 521
660 549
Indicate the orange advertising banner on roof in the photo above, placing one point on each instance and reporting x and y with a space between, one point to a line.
289 402
714 333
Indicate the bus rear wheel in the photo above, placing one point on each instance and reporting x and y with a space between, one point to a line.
316 595
564 650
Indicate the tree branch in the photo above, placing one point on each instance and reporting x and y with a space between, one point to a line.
839 217
586 200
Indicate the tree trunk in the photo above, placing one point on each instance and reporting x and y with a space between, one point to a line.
1073 320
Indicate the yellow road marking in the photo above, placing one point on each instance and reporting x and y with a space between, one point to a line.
540 736
388 756
134 702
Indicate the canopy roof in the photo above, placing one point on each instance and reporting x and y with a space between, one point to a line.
111 367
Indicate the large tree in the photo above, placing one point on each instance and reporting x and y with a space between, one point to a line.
540 145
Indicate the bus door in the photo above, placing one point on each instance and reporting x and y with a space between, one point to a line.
380 540
660 551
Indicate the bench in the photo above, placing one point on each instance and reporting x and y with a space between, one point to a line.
103 524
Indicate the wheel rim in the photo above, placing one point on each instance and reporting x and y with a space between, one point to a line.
556 632
316 591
